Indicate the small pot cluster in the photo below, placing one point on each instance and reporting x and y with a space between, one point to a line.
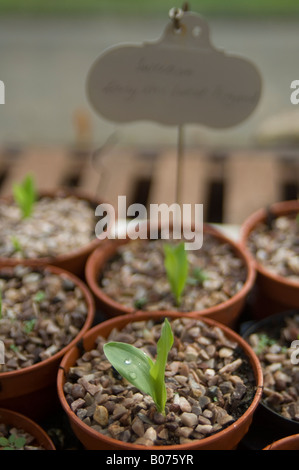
275 245
13 438
136 276
58 225
209 383
281 374
41 312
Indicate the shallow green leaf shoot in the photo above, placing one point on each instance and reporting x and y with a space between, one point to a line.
177 267
25 195
139 369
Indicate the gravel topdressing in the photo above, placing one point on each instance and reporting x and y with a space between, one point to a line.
276 247
15 438
279 361
57 226
41 313
136 276
209 383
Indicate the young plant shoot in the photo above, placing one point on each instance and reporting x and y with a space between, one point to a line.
25 195
139 369
16 244
12 442
177 267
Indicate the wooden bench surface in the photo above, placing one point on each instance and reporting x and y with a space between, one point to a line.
230 186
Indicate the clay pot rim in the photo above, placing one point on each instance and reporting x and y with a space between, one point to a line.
28 425
62 258
278 208
139 316
98 292
256 326
282 442
88 322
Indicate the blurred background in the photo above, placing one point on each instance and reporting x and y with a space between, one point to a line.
46 50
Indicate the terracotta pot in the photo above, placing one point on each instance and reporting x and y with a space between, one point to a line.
74 261
92 440
227 312
271 424
20 421
276 288
32 390
287 443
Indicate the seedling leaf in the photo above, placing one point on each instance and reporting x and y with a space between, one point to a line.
139 369
19 442
200 275
29 325
25 195
39 296
3 442
16 244
176 266
157 370
131 363
13 442
140 303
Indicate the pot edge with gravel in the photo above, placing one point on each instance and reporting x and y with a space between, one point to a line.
226 311
24 382
272 339
73 260
223 439
20 421
275 287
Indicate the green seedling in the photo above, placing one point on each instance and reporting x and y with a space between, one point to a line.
140 303
25 195
198 277
29 325
39 296
14 348
139 369
12 442
263 342
16 244
177 267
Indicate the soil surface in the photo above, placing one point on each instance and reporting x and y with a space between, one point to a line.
58 226
12 438
209 384
41 312
279 360
136 276
275 246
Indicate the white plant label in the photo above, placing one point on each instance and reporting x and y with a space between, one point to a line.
179 79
